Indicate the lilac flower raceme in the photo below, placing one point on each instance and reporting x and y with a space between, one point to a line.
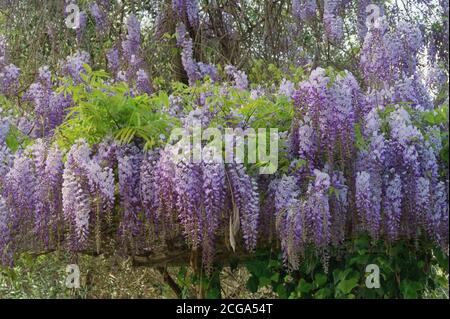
148 187
368 205
317 213
143 85
304 10
289 219
188 186
187 11
20 198
313 102
187 54
214 188
47 170
192 9
390 55
334 28
194 70
6 159
113 60
129 163
361 19
333 23
339 208
106 153
74 65
405 43
58 109
99 17
393 206
331 6
376 54
87 193
246 200
3 49
423 202
53 179
41 213
412 90
76 201
81 26
437 220
5 254
131 45
239 77
178 7
9 79
286 88
49 107
207 69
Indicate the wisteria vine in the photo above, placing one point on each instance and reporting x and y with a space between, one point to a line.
360 159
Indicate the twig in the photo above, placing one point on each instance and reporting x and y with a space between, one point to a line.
169 280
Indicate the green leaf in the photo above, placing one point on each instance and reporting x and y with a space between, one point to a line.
323 293
320 280
252 284
347 285
304 287
275 277
409 289
12 141
264 281
281 292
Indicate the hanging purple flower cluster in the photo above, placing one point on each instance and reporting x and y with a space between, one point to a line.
362 18
87 194
187 12
9 73
333 23
129 163
317 211
134 72
48 167
74 66
6 161
113 58
194 70
99 17
197 196
304 217
31 192
289 219
394 177
244 192
50 107
327 113
5 215
239 77
304 10
389 61
160 199
143 85
131 46
398 175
